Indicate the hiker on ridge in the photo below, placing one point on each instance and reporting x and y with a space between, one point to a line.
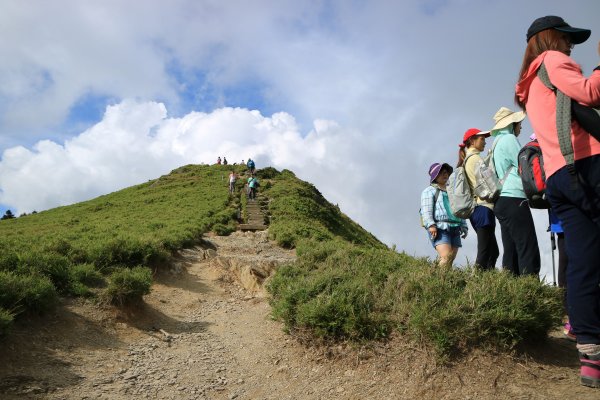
572 166
250 165
219 160
483 219
443 228
521 252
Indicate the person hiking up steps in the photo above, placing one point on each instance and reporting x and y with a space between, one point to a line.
252 187
443 228
232 179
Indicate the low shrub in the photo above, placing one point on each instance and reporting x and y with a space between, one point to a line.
129 285
336 290
224 230
54 266
333 291
128 251
9 260
32 292
267 173
6 319
455 309
86 274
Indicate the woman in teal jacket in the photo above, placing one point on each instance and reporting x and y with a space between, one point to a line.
521 252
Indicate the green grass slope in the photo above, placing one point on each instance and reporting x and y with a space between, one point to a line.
67 250
345 284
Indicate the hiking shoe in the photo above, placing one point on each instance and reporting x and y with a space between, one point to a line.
568 331
590 369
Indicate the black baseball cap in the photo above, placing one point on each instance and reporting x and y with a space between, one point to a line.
578 35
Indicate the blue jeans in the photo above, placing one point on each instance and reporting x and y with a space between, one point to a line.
449 236
576 202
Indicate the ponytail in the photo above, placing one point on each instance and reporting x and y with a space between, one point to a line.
461 156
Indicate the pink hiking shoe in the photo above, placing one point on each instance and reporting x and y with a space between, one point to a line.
590 369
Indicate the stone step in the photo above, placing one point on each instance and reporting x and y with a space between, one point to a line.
252 227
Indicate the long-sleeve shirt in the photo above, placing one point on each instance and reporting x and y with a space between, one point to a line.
565 74
443 215
506 155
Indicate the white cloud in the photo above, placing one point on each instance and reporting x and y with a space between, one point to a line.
371 94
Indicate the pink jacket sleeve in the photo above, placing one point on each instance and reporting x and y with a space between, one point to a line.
566 75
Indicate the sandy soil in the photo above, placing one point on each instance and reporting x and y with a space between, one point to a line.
204 332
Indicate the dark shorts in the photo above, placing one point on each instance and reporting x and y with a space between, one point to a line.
482 217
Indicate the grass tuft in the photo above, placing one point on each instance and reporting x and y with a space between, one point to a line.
129 285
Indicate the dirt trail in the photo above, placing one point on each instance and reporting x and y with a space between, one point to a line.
201 335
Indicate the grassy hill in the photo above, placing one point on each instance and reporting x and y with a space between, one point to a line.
346 284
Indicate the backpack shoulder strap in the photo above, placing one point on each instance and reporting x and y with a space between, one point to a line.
563 119
510 167
435 198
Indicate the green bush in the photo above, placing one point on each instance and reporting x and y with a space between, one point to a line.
127 251
129 285
86 274
19 292
336 290
6 319
267 173
332 291
53 265
9 260
224 230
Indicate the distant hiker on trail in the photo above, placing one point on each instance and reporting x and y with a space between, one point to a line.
252 187
232 179
521 252
218 160
483 219
443 228
224 160
251 166
572 166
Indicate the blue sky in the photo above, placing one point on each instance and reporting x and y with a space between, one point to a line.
356 97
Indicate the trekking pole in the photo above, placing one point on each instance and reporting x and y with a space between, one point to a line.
553 242
552 245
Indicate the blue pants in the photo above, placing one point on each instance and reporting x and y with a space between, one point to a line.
576 201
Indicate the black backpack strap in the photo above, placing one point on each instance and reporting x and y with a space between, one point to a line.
563 119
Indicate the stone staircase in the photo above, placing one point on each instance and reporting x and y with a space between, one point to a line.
256 216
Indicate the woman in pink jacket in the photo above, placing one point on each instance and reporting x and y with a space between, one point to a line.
574 193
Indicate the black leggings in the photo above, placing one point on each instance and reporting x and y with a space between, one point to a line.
487 248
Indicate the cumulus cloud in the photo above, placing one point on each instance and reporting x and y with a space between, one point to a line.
136 141
358 98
